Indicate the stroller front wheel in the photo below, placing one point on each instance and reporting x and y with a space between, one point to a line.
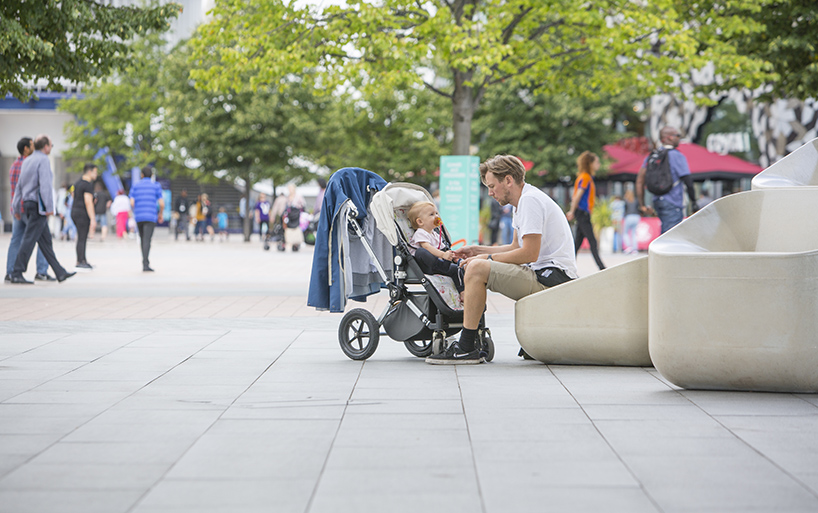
358 334
419 348
487 343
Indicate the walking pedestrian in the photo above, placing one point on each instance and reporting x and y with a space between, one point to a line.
34 197
632 218
102 202
669 207
582 204
121 210
181 208
25 147
146 196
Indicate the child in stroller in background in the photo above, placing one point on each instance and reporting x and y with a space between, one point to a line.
427 245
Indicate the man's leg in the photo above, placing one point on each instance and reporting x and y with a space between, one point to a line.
670 215
464 351
42 263
585 227
46 245
18 228
34 226
82 237
146 233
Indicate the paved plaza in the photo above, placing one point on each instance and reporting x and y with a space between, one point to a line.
210 386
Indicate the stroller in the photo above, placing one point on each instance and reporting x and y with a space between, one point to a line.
423 309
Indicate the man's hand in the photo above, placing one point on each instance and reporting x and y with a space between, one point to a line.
569 216
645 210
92 228
465 252
160 217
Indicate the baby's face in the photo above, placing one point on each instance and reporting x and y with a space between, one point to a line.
428 219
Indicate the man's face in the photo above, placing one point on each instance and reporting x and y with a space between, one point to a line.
28 150
47 147
94 174
499 189
672 137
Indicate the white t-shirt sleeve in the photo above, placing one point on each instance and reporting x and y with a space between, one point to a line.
529 218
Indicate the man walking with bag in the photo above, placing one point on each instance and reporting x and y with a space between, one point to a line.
34 196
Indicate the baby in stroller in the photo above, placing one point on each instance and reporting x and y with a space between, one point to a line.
428 245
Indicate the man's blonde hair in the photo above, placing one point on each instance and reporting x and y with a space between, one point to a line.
414 212
501 166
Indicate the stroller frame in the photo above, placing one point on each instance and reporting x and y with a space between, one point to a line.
420 319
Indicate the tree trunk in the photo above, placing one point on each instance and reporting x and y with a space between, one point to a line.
463 106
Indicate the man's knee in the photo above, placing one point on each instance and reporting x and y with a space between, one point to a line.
477 270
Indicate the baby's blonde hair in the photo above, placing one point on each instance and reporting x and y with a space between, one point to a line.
414 212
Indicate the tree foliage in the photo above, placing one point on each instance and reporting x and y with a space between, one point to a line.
550 46
123 112
75 40
397 133
550 131
250 136
788 41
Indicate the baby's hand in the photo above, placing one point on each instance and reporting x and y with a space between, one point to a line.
449 255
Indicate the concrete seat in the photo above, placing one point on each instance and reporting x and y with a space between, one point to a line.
601 319
733 295
798 169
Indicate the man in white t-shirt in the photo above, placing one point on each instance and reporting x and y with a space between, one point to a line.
541 254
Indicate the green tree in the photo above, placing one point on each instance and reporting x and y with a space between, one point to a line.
246 136
123 112
75 40
551 46
787 41
551 131
397 133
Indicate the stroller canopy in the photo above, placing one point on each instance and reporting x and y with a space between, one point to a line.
390 205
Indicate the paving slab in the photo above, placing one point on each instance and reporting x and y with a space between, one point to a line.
210 386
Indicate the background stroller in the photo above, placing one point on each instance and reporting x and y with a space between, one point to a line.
423 309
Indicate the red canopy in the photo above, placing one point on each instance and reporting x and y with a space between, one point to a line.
703 164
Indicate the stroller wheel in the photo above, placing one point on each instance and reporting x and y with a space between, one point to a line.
419 348
487 343
358 334
438 342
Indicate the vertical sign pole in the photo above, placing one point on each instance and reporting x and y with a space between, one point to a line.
460 196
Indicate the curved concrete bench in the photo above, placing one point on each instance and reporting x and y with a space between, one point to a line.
601 319
733 295
798 169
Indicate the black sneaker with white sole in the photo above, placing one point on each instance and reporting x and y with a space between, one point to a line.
455 356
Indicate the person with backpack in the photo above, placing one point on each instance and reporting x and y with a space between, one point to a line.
663 172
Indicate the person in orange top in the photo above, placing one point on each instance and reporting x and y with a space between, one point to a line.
582 204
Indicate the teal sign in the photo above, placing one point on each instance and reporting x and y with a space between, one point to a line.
460 197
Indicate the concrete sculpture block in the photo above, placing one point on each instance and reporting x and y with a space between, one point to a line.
798 169
733 295
601 319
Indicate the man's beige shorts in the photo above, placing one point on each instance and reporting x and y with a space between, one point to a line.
513 281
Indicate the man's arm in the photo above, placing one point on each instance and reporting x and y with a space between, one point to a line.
89 207
691 191
574 203
529 252
161 213
640 191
